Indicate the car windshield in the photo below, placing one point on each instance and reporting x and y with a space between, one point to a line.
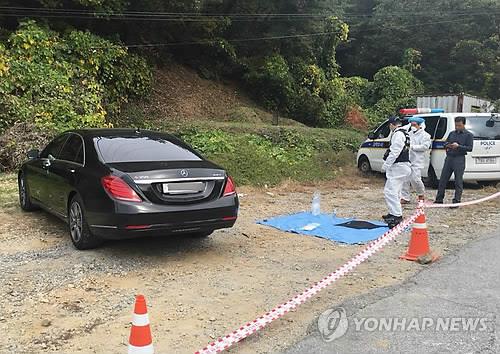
477 126
114 149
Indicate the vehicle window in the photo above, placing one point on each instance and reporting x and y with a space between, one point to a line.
441 129
383 131
430 125
54 147
477 126
72 150
141 149
80 157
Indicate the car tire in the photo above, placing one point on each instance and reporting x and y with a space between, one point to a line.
24 195
488 183
364 165
79 230
201 234
431 180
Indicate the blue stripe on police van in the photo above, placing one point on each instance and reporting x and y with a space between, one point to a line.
438 145
375 144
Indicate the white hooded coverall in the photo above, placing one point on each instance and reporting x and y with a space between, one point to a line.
396 172
420 143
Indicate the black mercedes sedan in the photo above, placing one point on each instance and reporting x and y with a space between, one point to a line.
124 183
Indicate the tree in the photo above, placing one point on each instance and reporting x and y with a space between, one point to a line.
432 27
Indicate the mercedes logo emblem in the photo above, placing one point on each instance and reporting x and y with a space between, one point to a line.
184 173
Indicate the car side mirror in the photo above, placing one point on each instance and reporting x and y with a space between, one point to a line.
372 136
33 154
490 123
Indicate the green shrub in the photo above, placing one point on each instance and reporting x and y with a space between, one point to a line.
392 88
290 150
313 78
273 83
308 108
209 142
60 83
356 89
337 103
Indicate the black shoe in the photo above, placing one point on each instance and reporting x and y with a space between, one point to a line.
388 216
455 202
394 221
438 202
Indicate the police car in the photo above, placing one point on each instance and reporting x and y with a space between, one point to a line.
482 165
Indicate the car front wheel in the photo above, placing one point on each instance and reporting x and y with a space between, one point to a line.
488 183
79 230
364 165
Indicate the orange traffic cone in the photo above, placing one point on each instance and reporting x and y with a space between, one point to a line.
418 249
140 341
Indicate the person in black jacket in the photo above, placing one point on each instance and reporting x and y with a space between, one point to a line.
459 143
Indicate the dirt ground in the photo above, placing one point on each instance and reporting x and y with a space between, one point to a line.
57 299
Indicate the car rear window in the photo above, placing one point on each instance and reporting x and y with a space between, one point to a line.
140 149
477 126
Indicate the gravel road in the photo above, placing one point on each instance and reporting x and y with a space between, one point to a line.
56 299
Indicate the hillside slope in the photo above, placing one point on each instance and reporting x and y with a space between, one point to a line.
179 94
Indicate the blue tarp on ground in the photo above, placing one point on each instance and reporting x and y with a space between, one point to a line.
328 227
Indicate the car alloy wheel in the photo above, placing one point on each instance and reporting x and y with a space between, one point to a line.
76 221
23 197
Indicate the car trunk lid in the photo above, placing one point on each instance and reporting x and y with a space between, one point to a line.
176 182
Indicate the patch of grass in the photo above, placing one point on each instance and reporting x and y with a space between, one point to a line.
254 115
269 155
8 190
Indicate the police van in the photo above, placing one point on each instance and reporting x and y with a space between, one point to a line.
482 164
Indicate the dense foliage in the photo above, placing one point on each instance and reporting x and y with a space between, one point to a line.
314 61
458 42
63 81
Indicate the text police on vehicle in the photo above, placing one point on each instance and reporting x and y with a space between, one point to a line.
483 163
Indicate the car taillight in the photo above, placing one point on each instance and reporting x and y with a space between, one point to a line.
229 189
118 189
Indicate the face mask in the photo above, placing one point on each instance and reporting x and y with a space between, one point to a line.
414 129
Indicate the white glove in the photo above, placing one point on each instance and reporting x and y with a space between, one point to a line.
385 167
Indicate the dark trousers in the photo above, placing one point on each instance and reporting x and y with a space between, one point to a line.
455 165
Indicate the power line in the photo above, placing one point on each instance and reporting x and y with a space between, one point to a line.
179 19
242 40
209 41
195 15
204 19
163 14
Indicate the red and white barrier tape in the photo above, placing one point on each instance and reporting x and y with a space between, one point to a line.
472 202
279 311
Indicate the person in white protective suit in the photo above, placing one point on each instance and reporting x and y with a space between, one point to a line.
420 143
397 170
